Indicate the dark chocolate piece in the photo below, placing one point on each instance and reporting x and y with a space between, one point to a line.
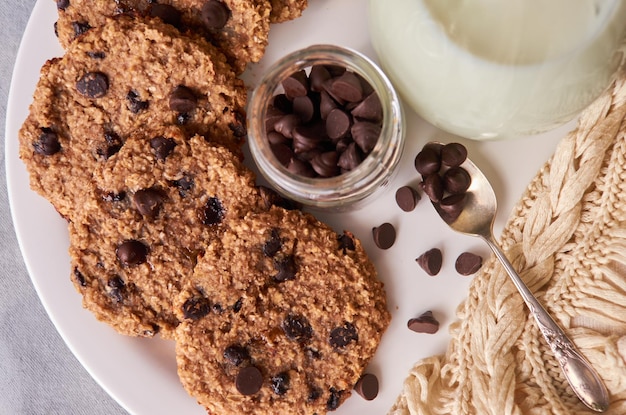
468 263
367 386
426 323
431 261
407 198
384 235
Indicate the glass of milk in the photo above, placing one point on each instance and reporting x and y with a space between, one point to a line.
487 69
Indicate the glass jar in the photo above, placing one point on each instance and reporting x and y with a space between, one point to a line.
353 188
486 69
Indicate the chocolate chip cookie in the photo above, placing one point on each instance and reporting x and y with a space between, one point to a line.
157 203
126 76
283 10
281 315
239 28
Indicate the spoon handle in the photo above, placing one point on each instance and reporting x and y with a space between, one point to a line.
581 376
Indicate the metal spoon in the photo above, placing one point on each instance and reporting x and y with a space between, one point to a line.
476 219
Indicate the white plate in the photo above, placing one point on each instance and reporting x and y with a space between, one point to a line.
141 373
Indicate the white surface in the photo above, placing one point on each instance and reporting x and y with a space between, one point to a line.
141 373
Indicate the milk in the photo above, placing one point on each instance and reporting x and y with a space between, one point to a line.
487 69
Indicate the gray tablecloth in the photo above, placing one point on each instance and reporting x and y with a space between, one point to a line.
38 373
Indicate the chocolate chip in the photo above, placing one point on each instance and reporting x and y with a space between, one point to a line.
384 235
426 323
184 185
286 124
433 187
237 306
407 198
367 386
341 336
456 180
215 14
468 263
280 383
286 268
350 158
453 154
213 212
236 354
148 202
96 54
277 138
112 145
282 103
296 84
271 198
249 380
301 168
131 253
334 400
272 116
346 242
63 4
365 134
162 147
47 143
347 87
452 206
318 76
338 124
115 287
80 278
308 137
282 152
325 164
93 85
314 393
167 13
80 28
304 108
431 261
369 109
273 244
135 104
239 127
194 308
428 161
327 104
183 99
298 328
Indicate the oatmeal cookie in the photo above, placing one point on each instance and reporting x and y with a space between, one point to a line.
239 28
281 315
119 78
283 10
157 203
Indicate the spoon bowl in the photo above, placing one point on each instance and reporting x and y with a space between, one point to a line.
479 211
476 219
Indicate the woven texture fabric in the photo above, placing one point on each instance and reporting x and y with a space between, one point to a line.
567 239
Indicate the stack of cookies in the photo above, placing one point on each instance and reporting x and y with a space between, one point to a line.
135 136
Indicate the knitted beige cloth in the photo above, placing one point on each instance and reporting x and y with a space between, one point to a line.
567 238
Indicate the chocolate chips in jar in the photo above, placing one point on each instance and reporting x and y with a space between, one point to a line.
324 122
